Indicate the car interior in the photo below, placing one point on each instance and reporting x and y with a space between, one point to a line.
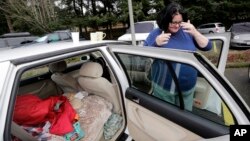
66 82
93 95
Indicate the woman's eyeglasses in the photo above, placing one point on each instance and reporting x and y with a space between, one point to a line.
175 22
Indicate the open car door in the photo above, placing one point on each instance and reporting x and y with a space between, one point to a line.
213 107
218 54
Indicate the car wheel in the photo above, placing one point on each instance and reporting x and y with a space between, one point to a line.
211 32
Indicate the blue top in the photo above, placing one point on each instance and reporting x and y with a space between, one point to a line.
178 40
186 74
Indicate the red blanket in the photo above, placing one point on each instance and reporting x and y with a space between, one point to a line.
30 110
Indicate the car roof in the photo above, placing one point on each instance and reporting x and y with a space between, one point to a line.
146 22
16 34
8 54
58 31
211 23
242 23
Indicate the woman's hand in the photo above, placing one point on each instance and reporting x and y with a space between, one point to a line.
189 28
201 40
162 38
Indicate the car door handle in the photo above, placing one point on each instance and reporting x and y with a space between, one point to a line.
136 99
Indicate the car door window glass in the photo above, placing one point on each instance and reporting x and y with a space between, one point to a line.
64 36
38 71
53 38
34 72
171 82
214 54
220 25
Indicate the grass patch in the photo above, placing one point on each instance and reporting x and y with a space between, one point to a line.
238 58
237 65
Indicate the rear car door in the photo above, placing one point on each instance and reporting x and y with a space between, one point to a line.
206 115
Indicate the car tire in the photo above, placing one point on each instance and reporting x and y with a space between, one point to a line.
210 32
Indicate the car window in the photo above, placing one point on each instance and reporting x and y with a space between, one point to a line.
220 25
142 27
210 26
64 36
35 72
207 26
41 70
214 54
162 79
202 26
53 38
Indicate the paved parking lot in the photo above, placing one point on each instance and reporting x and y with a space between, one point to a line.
239 79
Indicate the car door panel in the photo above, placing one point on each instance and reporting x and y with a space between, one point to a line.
150 118
154 127
141 109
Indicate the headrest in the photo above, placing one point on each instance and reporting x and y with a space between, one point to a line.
91 69
58 66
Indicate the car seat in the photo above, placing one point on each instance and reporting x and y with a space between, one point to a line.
91 80
105 68
66 82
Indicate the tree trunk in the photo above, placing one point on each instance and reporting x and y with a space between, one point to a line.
86 32
9 23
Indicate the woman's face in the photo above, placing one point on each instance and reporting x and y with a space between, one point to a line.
174 26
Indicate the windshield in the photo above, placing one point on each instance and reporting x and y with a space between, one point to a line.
144 27
240 28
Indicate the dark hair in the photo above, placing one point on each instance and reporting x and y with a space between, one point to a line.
165 16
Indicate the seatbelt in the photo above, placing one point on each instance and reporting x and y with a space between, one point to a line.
171 69
20 133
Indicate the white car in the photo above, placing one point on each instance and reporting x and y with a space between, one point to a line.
108 86
240 38
211 28
142 29
15 39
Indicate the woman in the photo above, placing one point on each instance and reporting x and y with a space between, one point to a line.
174 33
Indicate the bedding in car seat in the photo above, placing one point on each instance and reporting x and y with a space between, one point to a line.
93 112
30 110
